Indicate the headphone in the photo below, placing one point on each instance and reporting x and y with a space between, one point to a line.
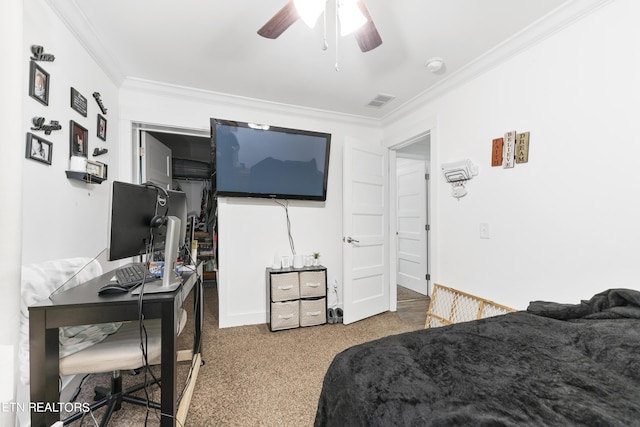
158 220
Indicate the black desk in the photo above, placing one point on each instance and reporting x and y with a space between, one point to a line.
82 305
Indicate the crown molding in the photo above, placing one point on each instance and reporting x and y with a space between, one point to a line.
77 23
135 85
553 22
565 15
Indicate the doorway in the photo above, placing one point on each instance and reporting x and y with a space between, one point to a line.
187 167
410 171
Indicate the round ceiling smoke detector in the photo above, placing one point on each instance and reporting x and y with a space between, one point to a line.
435 64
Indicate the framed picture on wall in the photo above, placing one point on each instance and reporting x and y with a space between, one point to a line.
95 168
102 128
39 83
78 140
38 149
78 102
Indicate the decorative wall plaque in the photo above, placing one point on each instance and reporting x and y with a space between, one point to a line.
522 147
38 124
40 55
96 95
78 102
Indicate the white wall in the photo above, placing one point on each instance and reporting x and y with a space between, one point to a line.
563 226
63 217
11 154
59 217
251 231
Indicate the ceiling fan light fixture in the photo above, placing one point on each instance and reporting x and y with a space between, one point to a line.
309 10
350 15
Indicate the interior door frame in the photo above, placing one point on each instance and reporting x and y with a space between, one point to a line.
412 134
138 127
420 164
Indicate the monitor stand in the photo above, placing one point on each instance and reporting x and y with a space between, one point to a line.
170 281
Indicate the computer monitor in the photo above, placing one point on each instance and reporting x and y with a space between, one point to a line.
145 219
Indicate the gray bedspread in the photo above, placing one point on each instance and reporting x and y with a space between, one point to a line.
552 365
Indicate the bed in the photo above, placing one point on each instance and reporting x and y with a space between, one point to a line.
553 364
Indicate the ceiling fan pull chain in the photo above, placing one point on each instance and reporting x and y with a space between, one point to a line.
337 68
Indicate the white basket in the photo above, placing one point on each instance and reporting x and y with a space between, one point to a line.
313 312
312 284
285 315
284 287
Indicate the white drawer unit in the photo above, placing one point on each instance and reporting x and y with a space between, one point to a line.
296 297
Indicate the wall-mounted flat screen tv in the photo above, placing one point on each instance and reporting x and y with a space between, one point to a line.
269 162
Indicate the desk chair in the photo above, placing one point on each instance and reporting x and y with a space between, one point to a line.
118 352
86 349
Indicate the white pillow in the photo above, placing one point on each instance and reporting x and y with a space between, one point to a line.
39 281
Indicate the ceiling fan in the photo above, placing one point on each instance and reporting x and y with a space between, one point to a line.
351 13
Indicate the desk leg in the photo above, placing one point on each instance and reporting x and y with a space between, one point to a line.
44 370
169 370
198 309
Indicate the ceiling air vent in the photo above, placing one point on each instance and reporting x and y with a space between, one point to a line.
380 100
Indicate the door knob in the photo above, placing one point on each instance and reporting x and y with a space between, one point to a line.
349 239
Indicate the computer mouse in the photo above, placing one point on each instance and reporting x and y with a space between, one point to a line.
112 288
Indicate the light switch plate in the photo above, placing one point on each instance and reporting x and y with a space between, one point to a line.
485 231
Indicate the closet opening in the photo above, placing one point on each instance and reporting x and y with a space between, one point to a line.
181 160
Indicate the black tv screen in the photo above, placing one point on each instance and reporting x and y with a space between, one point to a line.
270 162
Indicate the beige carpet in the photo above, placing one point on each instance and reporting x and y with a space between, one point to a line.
253 377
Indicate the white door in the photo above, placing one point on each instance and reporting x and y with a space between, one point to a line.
411 229
155 161
365 230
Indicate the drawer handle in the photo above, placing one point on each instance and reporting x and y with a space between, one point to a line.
313 285
313 313
285 288
288 316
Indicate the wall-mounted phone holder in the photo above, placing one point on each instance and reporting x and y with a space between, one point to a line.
457 173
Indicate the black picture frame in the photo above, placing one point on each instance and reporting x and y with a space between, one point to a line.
39 83
101 127
39 149
78 102
78 140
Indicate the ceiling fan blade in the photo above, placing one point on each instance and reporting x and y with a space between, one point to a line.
367 36
280 21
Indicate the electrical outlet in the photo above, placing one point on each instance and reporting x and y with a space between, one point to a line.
485 231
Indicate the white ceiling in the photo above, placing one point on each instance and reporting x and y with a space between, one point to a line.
213 45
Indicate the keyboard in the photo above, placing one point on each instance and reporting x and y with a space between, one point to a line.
133 275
